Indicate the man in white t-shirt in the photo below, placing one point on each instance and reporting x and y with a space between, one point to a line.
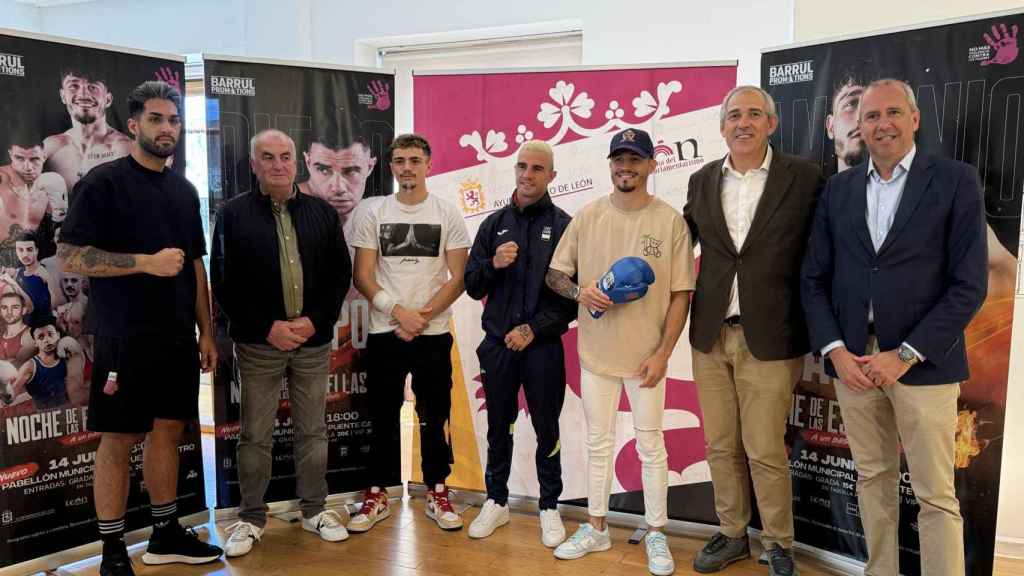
411 251
630 344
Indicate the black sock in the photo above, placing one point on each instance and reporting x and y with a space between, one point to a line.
112 534
165 516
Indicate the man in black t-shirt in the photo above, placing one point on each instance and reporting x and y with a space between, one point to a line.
135 230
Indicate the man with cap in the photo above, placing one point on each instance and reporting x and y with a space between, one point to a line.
629 345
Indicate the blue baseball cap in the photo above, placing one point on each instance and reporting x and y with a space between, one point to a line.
632 140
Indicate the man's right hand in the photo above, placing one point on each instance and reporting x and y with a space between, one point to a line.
283 337
505 255
412 322
849 370
592 297
167 262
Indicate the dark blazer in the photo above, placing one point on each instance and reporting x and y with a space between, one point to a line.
927 280
767 265
245 269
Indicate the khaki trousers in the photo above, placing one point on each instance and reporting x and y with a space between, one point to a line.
746 402
924 418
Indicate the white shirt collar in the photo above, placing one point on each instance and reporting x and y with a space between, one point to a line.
905 163
727 165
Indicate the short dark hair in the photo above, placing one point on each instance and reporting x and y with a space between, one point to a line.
79 72
25 136
13 295
28 236
150 90
333 140
40 322
409 141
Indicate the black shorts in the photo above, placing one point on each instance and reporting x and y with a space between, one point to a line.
157 377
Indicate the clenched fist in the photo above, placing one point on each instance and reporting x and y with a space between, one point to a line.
167 262
505 255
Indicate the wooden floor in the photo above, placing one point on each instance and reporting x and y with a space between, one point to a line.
409 543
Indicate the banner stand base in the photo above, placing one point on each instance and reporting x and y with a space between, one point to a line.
288 510
465 499
53 563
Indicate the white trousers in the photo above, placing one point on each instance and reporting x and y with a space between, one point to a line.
600 405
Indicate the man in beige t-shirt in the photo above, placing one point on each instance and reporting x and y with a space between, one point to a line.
630 343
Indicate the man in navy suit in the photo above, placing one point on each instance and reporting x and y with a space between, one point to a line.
895 270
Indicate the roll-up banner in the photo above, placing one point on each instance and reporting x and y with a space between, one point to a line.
475 123
968 77
341 120
62 112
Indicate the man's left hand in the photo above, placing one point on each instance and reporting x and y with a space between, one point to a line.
303 326
653 370
207 353
884 368
519 337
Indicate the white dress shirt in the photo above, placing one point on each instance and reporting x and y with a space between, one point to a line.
740 195
883 199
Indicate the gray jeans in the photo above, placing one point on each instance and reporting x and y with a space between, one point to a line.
262 368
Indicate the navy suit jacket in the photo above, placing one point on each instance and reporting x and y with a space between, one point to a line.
926 281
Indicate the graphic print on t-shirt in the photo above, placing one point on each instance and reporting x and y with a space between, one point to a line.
397 239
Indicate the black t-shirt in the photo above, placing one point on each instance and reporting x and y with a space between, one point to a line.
123 207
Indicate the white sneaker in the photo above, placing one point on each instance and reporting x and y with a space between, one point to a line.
659 557
587 539
327 524
243 536
491 517
552 531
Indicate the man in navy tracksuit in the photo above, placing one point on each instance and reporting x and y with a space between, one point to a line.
523 322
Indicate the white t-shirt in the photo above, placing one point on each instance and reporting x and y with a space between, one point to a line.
411 243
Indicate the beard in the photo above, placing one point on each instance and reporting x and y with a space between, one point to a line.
86 116
159 150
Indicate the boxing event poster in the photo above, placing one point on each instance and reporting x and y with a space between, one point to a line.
476 123
968 81
62 112
342 123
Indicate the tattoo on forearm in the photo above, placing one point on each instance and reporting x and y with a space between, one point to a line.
91 261
560 283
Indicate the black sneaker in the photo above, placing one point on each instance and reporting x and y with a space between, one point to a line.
179 545
116 562
721 551
780 562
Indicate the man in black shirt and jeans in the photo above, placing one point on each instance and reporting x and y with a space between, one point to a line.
135 230
291 245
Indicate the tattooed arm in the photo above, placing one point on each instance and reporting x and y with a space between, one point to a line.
562 284
93 262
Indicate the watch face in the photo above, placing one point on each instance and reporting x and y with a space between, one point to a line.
907 355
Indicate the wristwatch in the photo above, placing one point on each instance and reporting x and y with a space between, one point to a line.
575 293
907 356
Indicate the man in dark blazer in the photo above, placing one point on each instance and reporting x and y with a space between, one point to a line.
896 269
751 213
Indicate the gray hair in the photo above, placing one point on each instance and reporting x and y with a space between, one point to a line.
907 91
769 103
268 132
152 89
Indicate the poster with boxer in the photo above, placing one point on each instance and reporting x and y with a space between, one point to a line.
967 77
475 124
342 122
62 112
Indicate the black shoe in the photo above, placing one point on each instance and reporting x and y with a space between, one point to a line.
176 544
116 562
780 562
721 551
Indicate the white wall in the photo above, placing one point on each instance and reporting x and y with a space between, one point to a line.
18 15
814 19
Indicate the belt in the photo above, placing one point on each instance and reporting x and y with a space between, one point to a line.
732 321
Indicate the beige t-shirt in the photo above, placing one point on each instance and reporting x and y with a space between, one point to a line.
617 343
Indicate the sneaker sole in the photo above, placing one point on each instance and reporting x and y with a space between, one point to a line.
721 567
438 522
577 556
666 572
360 529
158 559
493 528
553 544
